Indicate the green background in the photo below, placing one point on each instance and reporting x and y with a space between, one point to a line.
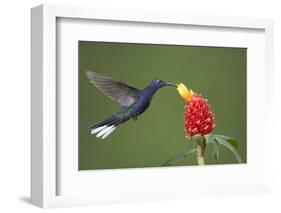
218 74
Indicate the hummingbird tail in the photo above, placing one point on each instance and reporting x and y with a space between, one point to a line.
105 128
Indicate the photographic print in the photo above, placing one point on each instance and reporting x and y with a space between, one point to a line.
154 105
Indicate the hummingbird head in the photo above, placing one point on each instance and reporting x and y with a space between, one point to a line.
157 83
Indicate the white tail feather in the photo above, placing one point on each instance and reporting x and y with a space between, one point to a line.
104 131
96 130
108 132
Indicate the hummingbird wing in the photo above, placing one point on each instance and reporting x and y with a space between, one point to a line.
122 93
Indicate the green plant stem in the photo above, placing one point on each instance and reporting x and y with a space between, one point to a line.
200 154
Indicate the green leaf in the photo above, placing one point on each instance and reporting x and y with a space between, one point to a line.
216 151
233 142
229 143
230 140
210 138
199 140
182 155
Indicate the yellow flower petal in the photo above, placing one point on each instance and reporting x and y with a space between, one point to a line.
184 92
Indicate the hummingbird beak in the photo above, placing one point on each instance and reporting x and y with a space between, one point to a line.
170 84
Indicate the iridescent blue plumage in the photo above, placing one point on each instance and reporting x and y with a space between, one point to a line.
133 101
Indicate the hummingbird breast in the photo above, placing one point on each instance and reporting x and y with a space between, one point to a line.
142 103
140 107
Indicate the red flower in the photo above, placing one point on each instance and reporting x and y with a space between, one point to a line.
198 118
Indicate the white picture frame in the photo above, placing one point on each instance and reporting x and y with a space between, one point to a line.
45 157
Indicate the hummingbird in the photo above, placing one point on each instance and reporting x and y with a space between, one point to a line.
133 102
